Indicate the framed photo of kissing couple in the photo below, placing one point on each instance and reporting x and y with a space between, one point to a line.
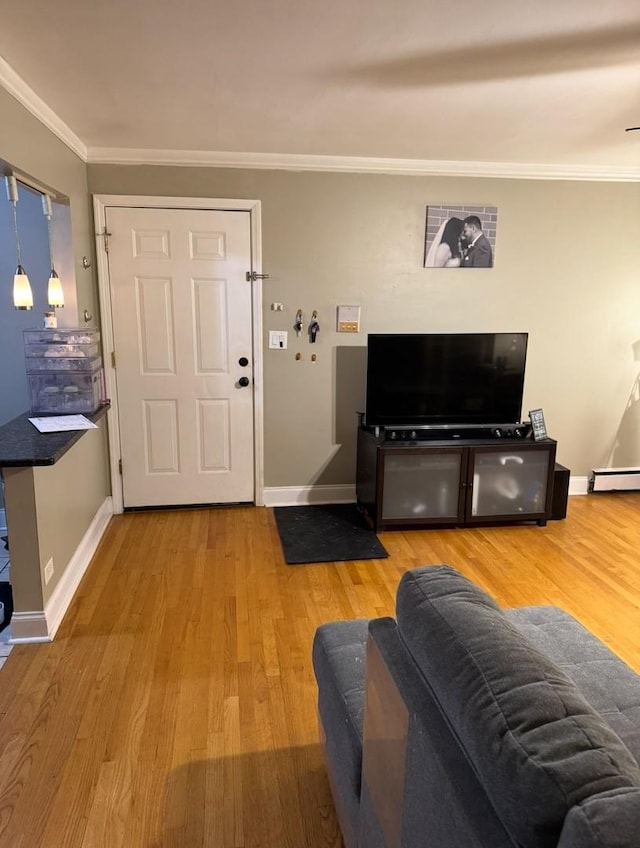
460 236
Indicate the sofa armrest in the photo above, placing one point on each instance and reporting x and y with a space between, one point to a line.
339 663
386 727
416 779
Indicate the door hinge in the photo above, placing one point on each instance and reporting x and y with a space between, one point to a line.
105 235
120 466
252 276
113 359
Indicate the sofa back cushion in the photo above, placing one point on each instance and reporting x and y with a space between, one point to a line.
536 745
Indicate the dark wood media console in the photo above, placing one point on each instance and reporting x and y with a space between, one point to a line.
454 482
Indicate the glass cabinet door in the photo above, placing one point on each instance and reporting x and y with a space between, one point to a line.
422 486
509 482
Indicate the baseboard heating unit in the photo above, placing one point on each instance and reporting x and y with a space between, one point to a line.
614 480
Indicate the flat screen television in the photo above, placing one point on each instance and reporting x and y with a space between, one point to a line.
439 379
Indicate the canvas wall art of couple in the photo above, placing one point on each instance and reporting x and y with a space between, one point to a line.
460 236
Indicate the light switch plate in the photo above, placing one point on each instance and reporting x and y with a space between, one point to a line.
278 339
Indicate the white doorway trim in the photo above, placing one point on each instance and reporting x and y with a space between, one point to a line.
100 204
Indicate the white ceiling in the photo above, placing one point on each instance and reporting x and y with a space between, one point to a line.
553 82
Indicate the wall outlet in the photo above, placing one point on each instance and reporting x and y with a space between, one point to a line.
48 571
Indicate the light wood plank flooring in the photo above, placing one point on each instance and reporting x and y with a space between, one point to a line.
176 706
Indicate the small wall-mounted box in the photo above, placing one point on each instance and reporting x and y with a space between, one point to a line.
348 320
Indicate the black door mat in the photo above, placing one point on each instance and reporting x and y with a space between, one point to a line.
327 533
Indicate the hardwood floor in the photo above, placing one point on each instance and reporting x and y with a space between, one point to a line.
176 706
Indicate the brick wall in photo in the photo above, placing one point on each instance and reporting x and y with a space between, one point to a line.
437 214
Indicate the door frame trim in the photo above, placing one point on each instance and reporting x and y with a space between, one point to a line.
101 202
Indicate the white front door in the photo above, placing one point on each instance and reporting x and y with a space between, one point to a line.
182 328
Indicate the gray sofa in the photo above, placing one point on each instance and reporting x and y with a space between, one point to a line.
461 725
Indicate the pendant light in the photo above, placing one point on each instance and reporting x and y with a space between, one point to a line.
22 295
54 291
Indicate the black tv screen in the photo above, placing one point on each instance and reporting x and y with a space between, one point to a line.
438 379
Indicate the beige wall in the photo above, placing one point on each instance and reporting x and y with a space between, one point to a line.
20 504
49 509
68 496
565 272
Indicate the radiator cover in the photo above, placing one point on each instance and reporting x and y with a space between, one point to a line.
614 480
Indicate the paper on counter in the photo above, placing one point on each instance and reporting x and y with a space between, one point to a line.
61 423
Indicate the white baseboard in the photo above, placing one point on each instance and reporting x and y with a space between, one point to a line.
303 495
41 626
28 628
578 485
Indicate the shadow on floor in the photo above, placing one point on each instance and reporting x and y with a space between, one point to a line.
271 798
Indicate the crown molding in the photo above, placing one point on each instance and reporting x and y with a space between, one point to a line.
362 165
18 88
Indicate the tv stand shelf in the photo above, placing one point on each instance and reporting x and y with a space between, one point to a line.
459 482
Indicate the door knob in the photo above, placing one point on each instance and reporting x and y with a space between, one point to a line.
243 381
243 361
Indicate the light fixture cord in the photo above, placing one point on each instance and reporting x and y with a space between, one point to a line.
49 237
15 231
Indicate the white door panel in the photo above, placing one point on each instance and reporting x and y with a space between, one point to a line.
181 311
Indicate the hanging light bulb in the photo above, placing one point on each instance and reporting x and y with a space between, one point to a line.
54 290
22 295
56 295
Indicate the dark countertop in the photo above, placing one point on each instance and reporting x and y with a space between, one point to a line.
21 444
